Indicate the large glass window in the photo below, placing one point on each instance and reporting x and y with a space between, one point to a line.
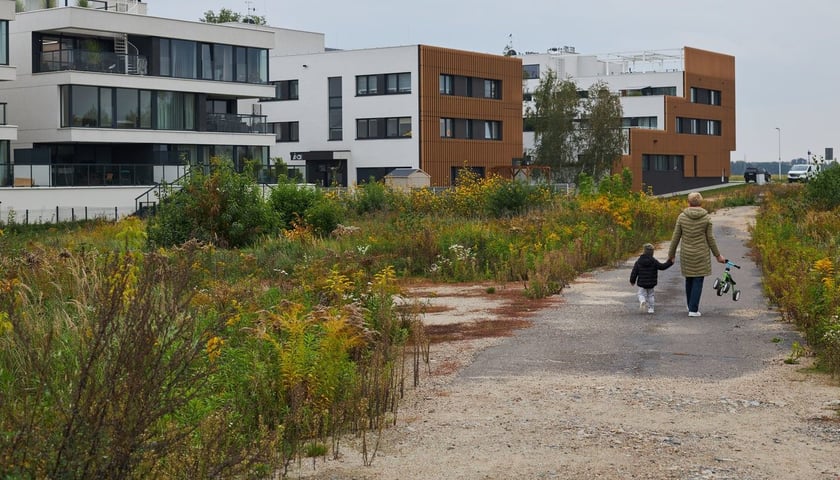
223 63
85 106
257 65
106 107
145 109
285 90
184 64
206 61
165 61
446 84
241 64
126 116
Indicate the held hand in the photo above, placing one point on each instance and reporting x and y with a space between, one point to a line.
721 259
671 259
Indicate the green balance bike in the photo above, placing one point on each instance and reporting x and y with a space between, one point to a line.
726 283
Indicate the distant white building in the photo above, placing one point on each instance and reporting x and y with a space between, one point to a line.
679 109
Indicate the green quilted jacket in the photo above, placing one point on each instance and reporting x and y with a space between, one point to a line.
694 231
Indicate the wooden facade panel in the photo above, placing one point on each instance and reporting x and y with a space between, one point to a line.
439 155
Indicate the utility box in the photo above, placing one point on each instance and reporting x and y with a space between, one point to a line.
407 179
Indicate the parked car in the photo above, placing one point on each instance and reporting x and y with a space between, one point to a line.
801 172
751 174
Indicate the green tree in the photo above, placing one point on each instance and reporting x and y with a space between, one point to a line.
553 117
226 15
601 136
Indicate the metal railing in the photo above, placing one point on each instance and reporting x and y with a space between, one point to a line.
236 123
92 61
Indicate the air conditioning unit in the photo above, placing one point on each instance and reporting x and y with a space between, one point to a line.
256 109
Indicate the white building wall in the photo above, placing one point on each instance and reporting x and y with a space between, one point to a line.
311 110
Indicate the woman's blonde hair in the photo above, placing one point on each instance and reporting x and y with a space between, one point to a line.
695 199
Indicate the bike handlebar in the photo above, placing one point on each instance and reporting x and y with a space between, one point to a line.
730 264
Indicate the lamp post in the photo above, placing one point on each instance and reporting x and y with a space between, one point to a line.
779 131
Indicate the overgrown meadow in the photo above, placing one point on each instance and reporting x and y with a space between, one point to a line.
234 333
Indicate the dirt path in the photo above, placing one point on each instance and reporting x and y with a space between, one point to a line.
591 388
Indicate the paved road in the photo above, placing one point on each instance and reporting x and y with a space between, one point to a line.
599 329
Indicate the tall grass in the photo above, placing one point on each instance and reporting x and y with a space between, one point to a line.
797 246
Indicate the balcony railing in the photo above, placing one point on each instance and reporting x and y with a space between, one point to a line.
91 61
236 123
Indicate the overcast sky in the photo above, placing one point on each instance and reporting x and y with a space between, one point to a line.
786 52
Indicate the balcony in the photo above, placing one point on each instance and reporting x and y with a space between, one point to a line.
91 61
236 123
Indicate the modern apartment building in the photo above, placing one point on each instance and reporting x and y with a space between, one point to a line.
679 109
342 117
106 97
8 133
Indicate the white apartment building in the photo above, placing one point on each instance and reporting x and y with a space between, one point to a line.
342 117
8 132
110 102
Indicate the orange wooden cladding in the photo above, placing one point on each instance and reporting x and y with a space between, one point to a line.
438 155
703 155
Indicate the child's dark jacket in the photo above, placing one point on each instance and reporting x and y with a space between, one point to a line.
645 271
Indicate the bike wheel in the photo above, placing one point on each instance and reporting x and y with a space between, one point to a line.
725 287
716 284
717 290
736 294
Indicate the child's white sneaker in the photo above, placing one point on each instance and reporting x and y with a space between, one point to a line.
643 306
650 310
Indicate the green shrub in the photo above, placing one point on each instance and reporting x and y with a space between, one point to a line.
324 216
290 201
222 207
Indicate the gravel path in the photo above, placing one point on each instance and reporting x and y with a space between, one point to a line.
595 389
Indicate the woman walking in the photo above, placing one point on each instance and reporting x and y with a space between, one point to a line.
694 231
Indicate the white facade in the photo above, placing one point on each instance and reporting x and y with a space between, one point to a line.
312 112
38 103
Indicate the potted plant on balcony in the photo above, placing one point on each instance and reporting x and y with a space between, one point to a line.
82 3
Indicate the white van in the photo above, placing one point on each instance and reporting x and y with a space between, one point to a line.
801 172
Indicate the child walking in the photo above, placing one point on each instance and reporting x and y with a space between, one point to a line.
645 275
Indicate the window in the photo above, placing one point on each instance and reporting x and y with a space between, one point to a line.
446 84
4 42
389 127
462 86
223 63
492 130
446 128
184 64
649 91
492 89
530 72
383 84
206 61
284 90
705 96
639 122
696 126
662 163
335 108
286 132
127 106
470 129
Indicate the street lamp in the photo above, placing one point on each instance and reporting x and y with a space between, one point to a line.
779 130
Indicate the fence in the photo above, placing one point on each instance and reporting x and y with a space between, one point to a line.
63 214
